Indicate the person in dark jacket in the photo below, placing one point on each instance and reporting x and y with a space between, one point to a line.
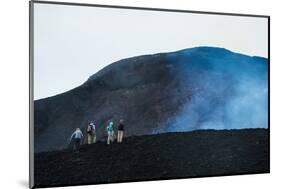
91 130
120 132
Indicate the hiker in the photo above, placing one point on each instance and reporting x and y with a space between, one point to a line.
91 130
110 132
76 137
120 131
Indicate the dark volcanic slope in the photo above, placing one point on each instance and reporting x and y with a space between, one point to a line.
198 88
163 156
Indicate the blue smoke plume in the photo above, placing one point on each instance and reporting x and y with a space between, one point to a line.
228 90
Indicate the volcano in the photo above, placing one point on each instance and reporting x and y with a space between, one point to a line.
191 89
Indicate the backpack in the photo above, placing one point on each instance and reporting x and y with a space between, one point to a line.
109 128
90 129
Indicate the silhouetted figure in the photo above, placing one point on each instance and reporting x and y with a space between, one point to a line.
76 137
91 131
120 132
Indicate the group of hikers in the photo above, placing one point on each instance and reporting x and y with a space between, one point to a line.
77 136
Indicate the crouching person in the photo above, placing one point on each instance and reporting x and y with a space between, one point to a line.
120 132
110 132
91 130
76 138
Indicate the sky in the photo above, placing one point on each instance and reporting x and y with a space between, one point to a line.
71 43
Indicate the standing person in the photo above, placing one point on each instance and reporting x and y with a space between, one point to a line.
77 137
120 131
110 132
91 130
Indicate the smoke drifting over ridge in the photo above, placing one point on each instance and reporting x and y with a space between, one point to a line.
229 90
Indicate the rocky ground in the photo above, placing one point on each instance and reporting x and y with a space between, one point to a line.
154 157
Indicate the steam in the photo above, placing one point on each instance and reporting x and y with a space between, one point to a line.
229 91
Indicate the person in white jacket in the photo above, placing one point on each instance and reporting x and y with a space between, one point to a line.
76 137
